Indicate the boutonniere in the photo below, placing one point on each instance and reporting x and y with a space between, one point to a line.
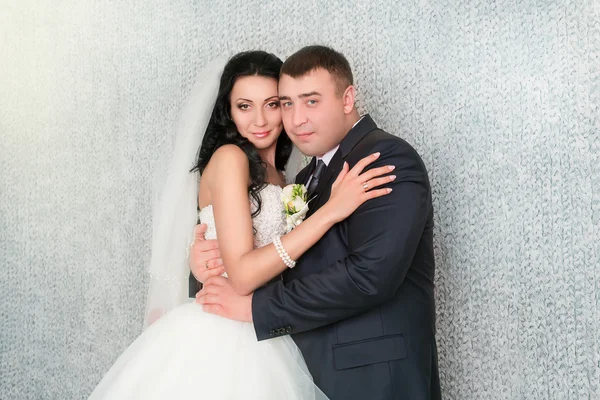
295 204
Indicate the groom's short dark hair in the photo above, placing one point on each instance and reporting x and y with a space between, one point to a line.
309 58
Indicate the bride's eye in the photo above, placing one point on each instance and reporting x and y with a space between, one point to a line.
243 107
273 104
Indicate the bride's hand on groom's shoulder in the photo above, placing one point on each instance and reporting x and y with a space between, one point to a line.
353 187
205 258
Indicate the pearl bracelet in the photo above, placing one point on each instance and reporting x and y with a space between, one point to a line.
287 260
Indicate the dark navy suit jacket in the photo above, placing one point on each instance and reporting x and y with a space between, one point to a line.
360 303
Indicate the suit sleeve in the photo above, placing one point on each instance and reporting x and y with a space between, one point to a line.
383 235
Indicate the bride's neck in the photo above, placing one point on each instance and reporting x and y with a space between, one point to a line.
268 155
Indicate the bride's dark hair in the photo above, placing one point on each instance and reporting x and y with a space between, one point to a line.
221 130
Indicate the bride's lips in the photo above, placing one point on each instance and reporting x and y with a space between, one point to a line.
261 135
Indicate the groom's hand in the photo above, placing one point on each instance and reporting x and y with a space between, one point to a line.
205 258
218 297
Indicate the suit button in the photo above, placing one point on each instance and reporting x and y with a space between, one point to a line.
272 332
281 331
288 329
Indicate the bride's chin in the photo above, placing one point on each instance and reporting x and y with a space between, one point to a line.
263 145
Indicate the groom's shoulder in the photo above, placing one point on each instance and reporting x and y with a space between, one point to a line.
378 139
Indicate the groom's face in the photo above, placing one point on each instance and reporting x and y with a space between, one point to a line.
313 111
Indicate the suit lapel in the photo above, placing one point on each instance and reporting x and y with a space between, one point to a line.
354 136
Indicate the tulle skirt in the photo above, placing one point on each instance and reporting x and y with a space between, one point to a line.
190 354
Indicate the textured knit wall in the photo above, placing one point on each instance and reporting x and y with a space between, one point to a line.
501 98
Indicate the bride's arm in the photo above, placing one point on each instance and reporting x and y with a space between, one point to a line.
250 268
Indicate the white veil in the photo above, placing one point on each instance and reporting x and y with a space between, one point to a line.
175 212
296 162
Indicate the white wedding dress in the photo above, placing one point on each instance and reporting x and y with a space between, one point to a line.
190 354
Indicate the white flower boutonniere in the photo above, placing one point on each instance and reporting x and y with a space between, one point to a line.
295 204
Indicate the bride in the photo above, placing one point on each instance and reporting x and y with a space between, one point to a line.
239 118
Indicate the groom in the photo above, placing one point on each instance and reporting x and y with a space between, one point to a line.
360 303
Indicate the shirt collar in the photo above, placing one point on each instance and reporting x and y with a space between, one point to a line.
329 155
356 123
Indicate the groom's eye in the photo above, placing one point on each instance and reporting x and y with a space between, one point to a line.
312 102
286 104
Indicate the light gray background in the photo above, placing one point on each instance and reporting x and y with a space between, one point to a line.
499 97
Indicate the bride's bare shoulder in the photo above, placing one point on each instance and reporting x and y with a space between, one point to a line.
229 154
226 160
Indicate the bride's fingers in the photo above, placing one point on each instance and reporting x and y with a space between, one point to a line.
371 194
341 175
373 183
362 164
375 172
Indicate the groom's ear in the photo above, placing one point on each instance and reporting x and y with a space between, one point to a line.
349 97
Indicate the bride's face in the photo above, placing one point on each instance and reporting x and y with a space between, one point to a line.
255 110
